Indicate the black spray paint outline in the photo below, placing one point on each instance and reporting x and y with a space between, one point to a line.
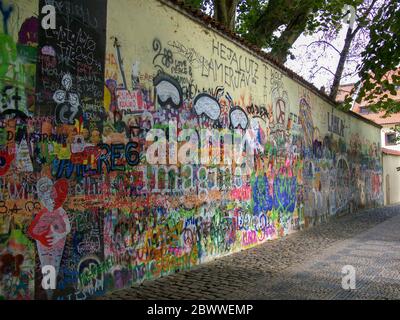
10 111
169 101
120 61
235 126
202 96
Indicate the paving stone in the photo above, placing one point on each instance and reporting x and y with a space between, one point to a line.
304 265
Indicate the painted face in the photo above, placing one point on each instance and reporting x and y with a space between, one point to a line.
46 192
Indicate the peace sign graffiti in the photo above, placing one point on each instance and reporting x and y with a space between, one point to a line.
188 237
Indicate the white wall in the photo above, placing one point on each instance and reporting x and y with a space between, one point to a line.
391 175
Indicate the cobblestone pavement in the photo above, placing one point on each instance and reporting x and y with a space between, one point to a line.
303 265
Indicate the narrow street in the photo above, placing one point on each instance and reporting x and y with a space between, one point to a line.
305 265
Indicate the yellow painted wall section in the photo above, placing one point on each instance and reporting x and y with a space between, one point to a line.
136 142
18 45
19 12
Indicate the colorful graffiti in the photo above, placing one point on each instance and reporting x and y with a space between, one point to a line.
121 165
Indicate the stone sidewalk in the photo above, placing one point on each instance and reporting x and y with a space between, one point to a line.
303 265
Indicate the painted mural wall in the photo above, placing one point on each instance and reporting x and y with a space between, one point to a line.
136 142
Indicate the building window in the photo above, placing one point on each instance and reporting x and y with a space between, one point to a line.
391 139
364 110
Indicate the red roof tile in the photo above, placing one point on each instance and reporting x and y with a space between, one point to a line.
391 152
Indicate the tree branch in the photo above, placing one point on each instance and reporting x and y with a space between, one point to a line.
324 42
322 67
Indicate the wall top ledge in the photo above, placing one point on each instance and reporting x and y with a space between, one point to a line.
210 23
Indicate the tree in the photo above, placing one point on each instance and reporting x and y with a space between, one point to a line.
275 25
224 11
382 55
260 20
363 22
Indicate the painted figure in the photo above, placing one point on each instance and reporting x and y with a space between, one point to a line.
51 225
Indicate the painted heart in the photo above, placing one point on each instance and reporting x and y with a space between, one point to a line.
61 188
5 162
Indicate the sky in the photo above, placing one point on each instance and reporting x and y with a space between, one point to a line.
305 60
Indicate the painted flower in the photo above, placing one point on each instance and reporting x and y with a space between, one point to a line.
62 96
67 102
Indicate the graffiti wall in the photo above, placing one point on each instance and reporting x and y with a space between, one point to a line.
136 142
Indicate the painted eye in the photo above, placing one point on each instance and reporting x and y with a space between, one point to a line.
238 118
169 92
2 162
204 104
44 188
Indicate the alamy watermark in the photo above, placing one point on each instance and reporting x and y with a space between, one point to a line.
349 15
201 147
49 20
349 278
49 277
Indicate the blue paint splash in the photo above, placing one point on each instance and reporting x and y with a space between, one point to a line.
6 12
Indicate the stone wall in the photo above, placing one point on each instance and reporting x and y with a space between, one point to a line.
135 141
